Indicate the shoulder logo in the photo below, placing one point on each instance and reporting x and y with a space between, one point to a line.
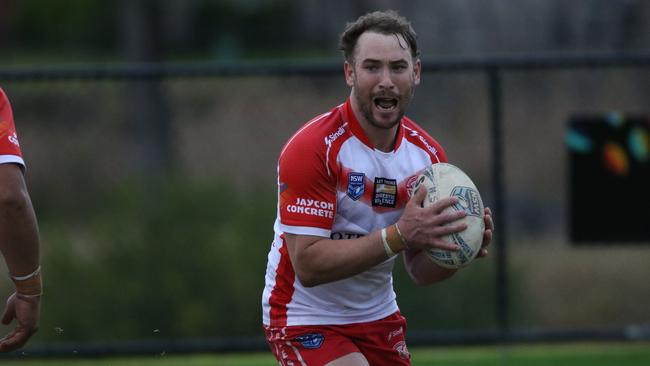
334 135
13 138
356 185
415 134
6 130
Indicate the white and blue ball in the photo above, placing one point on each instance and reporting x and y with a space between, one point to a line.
443 180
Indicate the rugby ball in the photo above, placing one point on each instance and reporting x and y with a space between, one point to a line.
445 180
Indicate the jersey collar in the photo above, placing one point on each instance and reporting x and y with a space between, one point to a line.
357 130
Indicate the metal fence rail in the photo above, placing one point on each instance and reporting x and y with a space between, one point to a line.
312 68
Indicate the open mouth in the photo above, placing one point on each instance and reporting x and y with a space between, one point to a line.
385 104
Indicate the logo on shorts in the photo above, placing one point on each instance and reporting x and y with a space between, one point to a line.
311 340
395 333
385 193
402 350
356 185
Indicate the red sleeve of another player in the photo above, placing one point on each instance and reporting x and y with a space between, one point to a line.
307 191
9 145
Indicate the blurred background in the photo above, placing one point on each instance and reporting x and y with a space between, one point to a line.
155 190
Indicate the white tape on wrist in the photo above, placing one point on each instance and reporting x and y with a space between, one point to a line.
26 277
389 251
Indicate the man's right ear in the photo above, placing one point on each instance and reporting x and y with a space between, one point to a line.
348 69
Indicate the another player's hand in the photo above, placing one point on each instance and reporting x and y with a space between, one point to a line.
26 311
424 227
487 234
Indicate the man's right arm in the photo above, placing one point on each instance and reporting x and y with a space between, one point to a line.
318 260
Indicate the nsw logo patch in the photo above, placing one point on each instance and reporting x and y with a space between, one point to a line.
356 185
311 340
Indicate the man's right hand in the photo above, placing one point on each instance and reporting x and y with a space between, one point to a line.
425 227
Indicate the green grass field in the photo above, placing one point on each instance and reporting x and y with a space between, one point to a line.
566 354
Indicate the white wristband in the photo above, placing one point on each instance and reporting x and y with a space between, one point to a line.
389 251
26 277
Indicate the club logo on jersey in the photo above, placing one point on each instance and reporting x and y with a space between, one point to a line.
356 185
385 192
311 340
411 183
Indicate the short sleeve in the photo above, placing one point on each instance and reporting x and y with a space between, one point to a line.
307 189
9 146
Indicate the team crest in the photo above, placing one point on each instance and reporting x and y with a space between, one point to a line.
311 340
411 184
402 350
356 185
385 193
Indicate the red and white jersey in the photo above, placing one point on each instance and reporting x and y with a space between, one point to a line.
333 183
9 145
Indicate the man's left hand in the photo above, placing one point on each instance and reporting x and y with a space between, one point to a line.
487 234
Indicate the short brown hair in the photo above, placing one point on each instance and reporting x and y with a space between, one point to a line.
383 22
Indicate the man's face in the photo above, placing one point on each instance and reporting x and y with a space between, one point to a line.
383 77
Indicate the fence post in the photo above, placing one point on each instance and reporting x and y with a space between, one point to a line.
499 211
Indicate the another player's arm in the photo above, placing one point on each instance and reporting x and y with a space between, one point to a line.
18 228
318 260
19 244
